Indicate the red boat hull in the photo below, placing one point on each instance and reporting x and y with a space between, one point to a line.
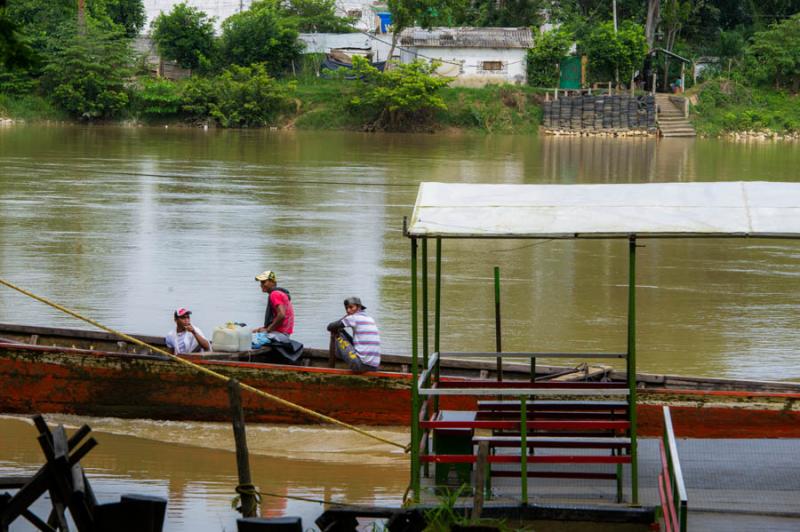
91 383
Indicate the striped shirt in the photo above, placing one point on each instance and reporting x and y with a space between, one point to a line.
366 338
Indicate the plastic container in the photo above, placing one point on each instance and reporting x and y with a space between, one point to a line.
231 337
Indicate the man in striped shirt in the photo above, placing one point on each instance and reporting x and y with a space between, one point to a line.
362 350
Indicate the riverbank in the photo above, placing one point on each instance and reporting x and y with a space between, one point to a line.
320 104
727 109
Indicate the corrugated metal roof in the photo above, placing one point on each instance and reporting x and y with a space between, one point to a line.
467 37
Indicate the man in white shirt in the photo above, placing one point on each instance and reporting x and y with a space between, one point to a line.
186 338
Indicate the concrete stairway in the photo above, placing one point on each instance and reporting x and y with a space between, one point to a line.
670 117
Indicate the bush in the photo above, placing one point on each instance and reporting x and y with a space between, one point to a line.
543 59
185 35
401 98
87 72
157 98
260 35
240 96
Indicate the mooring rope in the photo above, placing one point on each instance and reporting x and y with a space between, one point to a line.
211 373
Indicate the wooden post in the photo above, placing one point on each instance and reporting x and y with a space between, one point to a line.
242 457
480 479
332 351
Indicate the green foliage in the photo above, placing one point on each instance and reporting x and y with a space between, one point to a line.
157 98
127 13
260 35
28 107
728 106
510 13
185 35
401 98
543 59
14 50
608 52
773 56
492 109
86 73
312 16
239 97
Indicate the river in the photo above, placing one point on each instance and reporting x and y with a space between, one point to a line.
126 224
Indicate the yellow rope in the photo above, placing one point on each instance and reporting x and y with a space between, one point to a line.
207 371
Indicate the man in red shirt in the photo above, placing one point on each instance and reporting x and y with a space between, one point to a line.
279 317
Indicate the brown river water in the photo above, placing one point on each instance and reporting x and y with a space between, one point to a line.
125 224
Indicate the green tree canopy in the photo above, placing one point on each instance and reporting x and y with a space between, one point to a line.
313 16
14 51
543 59
185 35
127 13
260 35
608 52
398 99
773 56
87 72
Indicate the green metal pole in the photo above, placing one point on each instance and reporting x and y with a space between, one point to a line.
523 446
632 367
497 324
437 315
415 435
425 351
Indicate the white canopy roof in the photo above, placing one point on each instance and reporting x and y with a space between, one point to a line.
756 209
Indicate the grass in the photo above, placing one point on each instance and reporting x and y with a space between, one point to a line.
323 104
30 108
726 106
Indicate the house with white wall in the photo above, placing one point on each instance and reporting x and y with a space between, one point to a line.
473 56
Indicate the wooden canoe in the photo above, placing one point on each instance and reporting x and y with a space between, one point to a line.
91 373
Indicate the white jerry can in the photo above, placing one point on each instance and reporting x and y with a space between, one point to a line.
231 337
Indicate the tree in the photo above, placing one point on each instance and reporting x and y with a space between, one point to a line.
314 16
425 13
14 51
610 52
127 13
260 35
543 59
87 73
185 35
773 56
401 98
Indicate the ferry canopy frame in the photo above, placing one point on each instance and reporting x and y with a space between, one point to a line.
596 211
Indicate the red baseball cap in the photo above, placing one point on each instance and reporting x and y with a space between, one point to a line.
181 312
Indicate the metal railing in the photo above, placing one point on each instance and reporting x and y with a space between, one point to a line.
674 502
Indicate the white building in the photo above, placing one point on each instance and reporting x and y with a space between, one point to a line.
474 56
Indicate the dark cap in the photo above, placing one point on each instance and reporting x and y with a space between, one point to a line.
181 312
354 301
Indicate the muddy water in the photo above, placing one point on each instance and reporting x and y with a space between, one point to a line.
124 225
127 224
194 467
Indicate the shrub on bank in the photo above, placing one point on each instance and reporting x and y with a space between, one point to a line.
239 97
725 106
401 98
157 99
